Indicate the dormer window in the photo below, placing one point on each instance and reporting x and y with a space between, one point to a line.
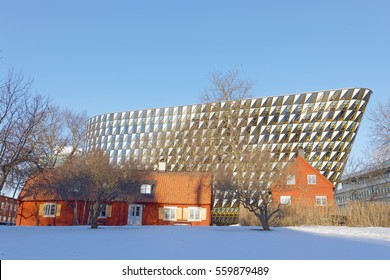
146 189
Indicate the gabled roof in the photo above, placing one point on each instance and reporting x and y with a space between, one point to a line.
38 188
300 162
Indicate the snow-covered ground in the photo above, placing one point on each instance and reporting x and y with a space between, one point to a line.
183 242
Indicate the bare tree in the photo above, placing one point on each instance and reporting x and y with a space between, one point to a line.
92 179
246 173
62 135
380 131
365 179
21 113
227 87
73 183
36 188
75 130
254 192
111 182
51 140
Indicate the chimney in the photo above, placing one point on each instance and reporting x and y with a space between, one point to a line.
162 166
301 153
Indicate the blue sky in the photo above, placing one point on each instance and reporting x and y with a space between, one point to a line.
108 56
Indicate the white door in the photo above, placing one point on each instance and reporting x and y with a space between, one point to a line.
135 215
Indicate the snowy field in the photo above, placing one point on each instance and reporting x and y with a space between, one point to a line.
185 243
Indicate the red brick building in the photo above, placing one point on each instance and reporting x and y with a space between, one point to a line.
8 210
305 186
165 198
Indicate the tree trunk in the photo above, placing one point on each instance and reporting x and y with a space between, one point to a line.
3 178
84 211
94 224
94 214
75 213
36 213
263 220
265 225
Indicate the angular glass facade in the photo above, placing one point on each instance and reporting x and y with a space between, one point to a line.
323 123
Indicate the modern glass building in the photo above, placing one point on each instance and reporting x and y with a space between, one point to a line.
323 123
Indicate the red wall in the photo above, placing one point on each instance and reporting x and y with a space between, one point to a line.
150 215
119 215
26 214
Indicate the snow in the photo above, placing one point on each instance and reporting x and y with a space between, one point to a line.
197 243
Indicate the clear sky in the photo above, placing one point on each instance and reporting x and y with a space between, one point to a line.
109 56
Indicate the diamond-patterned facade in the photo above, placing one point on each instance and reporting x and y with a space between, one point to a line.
323 123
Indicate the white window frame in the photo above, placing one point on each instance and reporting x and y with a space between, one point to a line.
311 179
49 210
146 189
194 214
321 200
170 213
291 179
285 199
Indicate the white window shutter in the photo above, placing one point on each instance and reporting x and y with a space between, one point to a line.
108 211
185 213
204 214
179 213
161 213
41 209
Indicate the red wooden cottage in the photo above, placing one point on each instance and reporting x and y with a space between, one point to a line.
165 198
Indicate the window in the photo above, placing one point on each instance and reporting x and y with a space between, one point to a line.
146 189
311 179
103 213
291 180
321 200
285 199
194 213
49 210
169 213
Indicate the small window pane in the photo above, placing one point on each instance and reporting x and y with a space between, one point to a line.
291 180
146 189
285 199
49 210
321 200
311 179
194 213
170 213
